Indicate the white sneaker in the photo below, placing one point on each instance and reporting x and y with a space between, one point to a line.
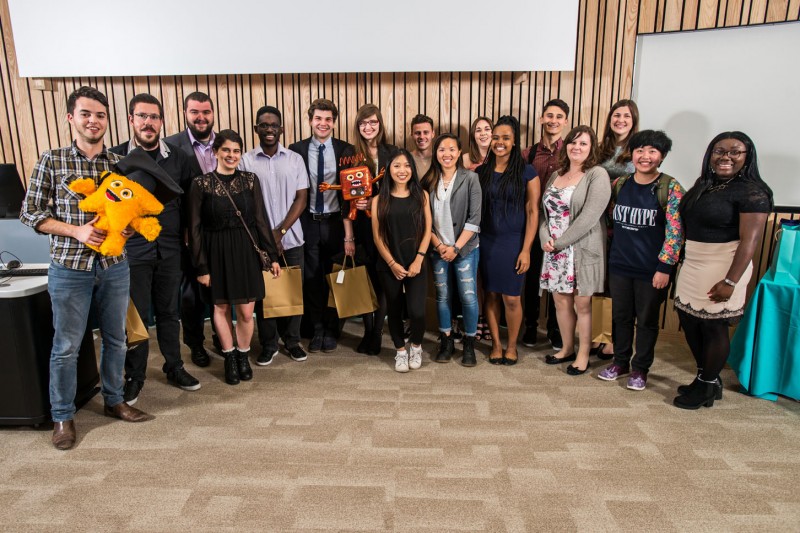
401 361
415 359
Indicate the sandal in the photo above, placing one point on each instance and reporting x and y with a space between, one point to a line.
481 328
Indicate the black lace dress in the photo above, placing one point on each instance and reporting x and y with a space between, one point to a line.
219 243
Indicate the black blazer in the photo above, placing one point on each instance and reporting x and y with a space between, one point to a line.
340 149
181 140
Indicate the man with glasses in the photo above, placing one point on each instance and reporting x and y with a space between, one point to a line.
323 228
284 185
156 266
78 276
196 141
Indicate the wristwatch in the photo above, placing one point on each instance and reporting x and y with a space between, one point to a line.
456 249
283 231
729 282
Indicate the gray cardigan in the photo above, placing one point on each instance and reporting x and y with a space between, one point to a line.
465 207
587 229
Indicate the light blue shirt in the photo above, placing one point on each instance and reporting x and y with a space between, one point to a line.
331 197
280 176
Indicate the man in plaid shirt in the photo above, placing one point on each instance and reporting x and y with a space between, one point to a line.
77 274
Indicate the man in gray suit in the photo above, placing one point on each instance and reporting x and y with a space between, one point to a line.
195 141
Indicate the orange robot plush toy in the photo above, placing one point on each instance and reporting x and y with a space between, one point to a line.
355 184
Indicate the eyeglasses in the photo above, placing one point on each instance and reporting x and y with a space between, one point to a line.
267 127
144 116
719 152
371 123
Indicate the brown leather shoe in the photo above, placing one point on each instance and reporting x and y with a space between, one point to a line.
64 435
125 412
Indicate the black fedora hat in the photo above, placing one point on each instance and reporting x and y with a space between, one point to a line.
140 167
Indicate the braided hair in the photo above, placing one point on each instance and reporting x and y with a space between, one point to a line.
510 185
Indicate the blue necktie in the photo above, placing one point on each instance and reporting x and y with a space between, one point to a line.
320 206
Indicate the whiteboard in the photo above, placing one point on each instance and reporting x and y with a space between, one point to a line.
80 38
694 85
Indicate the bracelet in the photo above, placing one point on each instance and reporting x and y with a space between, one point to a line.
438 245
392 263
421 253
729 282
350 240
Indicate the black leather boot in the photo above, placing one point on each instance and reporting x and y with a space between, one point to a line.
231 368
700 394
468 359
375 342
363 346
446 348
243 365
683 389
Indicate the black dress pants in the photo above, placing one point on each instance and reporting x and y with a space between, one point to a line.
635 303
193 306
156 282
323 239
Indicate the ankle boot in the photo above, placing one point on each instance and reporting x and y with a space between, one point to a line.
468 359
446 348
231 368
700 394
243 365
364 345
375 341
683 389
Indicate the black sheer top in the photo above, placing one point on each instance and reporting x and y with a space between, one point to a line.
210 210
714 218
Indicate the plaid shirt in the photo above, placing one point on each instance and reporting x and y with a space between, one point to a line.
48 196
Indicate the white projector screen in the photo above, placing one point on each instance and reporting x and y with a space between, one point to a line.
694 85
62 38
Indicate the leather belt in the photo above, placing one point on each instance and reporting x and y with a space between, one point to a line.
326 216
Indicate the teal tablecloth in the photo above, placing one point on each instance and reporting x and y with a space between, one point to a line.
765 350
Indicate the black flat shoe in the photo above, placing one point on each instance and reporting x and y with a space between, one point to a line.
510 362
572 371
497 360
553 360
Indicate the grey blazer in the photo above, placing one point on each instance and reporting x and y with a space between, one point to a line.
465 207
587 229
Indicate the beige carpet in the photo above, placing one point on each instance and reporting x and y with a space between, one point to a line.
342 442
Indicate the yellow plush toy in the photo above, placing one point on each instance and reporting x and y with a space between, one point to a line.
119 202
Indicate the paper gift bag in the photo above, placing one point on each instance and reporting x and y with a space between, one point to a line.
351 291
283 296
785 266
601 319
134 327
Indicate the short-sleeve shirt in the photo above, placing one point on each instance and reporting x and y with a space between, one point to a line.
714 218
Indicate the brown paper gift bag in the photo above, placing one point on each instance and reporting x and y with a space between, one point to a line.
351 292
283 296
134 327
601 319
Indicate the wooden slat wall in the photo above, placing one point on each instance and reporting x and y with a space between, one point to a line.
33 120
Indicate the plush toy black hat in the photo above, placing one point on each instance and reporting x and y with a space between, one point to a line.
141 168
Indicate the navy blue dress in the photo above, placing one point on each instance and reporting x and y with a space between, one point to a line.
502 235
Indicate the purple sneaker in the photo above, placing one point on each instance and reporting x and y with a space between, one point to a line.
612 372
637 380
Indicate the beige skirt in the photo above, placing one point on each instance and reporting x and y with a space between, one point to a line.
705 265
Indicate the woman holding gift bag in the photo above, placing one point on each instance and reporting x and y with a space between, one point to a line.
723 214
401 227
227 221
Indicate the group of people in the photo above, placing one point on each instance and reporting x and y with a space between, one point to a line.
569 217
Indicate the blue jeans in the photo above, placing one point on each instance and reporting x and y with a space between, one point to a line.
465 270
72 293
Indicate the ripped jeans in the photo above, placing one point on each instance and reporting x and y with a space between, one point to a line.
464 270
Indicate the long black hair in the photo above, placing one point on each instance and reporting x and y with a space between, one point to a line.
416 193
510 186
749 171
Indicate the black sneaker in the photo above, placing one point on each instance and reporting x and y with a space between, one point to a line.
555 339
328 344
182 379
200 357
130 393
316 344
529 338
266 357
297 353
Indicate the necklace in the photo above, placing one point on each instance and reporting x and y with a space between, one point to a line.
446 183
721 186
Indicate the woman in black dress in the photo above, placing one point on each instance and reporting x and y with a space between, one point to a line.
227 218
723 215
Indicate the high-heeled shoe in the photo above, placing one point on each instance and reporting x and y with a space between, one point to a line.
573 371
553 360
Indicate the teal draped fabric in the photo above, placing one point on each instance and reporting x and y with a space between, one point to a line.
765 350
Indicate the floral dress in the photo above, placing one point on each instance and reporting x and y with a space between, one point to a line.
558 268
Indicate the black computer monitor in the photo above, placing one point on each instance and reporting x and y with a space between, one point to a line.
12 192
